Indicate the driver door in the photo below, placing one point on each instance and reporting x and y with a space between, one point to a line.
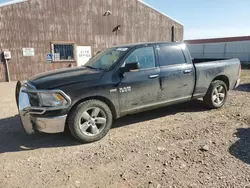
140 89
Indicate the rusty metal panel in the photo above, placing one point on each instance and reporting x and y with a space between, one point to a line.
36 23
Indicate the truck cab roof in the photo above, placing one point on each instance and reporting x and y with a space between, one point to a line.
145 43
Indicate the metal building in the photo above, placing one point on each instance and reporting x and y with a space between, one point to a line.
44 35
232 47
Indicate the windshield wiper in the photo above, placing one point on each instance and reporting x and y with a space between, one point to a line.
93 68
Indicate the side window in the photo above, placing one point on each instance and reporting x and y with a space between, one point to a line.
144 56
171 55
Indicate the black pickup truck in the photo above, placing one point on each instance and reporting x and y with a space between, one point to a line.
119 81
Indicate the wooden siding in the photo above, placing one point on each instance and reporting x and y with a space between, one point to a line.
36 23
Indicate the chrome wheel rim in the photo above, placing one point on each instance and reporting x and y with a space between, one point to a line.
219 95
92 121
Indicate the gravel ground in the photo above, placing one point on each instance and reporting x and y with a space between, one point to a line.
179 146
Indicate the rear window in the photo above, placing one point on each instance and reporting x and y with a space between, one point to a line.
170 55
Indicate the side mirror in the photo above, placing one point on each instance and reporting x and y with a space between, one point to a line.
130 67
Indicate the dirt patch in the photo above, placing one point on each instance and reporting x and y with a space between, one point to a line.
179 146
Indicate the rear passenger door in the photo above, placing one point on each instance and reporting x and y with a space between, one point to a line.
177 74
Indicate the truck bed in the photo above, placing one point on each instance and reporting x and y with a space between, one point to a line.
209 69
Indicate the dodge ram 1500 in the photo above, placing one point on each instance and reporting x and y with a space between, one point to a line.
118 81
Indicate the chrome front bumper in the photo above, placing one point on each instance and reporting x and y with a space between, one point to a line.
32 123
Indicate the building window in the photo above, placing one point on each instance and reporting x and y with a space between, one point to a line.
63 52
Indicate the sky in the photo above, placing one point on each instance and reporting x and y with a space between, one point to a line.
206 18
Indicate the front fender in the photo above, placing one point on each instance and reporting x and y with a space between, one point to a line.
86 91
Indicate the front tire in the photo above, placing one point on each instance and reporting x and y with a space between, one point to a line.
216 95
90 121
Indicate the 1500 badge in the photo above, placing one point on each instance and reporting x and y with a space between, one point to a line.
125 89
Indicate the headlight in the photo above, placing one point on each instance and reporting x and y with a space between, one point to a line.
52 99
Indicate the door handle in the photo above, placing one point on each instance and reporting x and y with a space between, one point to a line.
187 71
153 76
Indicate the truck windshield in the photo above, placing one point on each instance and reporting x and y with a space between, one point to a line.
105 59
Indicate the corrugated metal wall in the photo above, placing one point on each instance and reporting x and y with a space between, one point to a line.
35 23
239 50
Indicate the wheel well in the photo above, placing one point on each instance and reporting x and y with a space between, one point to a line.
100 98
224 79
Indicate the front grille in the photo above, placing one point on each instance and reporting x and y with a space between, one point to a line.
34 100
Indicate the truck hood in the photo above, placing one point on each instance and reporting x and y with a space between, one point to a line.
61 77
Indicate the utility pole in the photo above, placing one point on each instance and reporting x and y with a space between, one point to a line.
6 57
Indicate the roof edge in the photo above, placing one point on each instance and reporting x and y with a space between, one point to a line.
11 2
141 1
217 40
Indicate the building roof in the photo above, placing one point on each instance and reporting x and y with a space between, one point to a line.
217 40
141 1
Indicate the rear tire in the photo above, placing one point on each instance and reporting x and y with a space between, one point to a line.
216 95
90 121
